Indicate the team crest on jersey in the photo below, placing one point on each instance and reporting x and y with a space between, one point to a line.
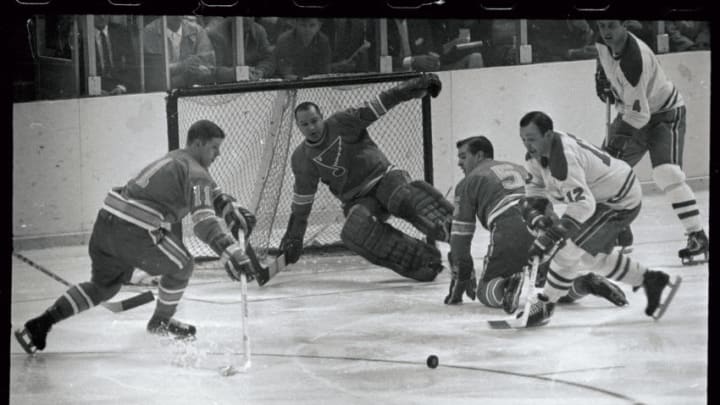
329 158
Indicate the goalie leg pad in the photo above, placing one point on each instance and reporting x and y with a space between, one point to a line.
386 246
419 203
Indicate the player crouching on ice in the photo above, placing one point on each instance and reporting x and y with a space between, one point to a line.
339 151
603 197
493 191
132 230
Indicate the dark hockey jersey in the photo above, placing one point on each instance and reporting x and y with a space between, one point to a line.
165 191
346 159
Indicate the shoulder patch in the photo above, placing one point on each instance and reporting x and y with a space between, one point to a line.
631 61
558 161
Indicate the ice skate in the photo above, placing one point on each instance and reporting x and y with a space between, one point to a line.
540 311
697 244
32 337
166 327
602 287
513 288
654 282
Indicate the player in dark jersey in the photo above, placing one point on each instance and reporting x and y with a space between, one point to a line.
132 230
339 151
650 119
492 192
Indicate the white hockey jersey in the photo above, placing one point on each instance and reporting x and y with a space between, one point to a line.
638 82
581 175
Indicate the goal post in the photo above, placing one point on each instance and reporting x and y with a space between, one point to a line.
254 162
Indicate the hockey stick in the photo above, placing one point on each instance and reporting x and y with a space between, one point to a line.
230 369
278 264
117 306
519 320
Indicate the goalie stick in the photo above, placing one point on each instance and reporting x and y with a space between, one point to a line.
117 306
519 319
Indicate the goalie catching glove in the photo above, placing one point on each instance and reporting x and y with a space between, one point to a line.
460 284
417 87
236 263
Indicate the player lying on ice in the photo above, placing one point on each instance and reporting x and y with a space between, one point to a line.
132 229
603 197
493 191
339 151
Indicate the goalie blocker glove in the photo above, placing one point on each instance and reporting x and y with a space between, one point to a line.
291 244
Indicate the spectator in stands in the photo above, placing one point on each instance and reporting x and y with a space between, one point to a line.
643 30
115 57
350 44
688 35
558 40
274 26
303 51
503 49
190 54
258 55
417 44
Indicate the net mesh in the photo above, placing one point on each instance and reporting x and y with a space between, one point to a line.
254 163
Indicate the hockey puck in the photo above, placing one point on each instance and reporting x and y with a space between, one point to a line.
432 361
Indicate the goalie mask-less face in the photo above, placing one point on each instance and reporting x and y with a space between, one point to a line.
311 124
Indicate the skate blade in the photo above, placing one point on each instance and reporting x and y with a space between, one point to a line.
21 335
663 307
692 261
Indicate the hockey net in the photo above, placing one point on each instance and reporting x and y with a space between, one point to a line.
254 164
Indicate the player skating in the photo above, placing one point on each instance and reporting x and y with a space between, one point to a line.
651 118
339 151
602 196
132 229
493 191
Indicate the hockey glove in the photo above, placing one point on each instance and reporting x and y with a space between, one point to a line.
235 216
434 84
236 262
533 213
238 218
419 86
603 87
459 286
548 242
619 138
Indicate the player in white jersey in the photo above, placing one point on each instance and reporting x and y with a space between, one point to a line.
651 118
602 196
